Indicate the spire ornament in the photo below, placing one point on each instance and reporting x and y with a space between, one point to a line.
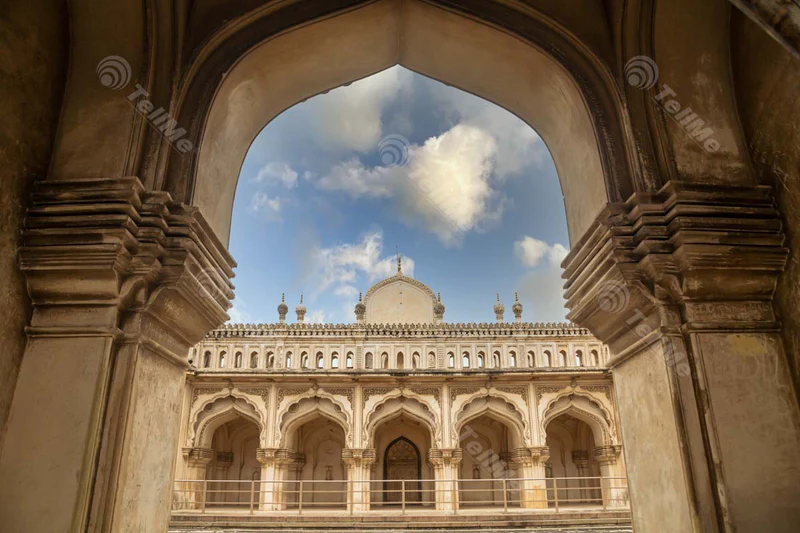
361 309
438 308
499 309
282 309
517 308
301 311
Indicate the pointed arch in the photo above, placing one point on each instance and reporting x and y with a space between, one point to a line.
497 408
585 408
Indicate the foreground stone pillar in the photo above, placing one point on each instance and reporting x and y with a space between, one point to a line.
679 284
275 483
613 490
359 463
445 463
123 282
529 465
193 493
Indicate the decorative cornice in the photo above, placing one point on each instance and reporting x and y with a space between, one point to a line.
108 243
542 329
715 254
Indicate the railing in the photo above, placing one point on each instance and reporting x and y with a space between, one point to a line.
400 496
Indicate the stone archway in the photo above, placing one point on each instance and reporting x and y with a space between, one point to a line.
402 470
677 279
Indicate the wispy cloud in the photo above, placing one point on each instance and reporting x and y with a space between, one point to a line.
277 172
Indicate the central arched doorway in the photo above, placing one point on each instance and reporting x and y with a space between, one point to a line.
402 467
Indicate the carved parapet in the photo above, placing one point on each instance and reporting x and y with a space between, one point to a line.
358 456
607 455
713 254
445 456
198 457
279 457
123 253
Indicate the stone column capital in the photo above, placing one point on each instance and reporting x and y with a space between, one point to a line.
198 457
580 458
529 456
358 456
445 456
279 457
607 455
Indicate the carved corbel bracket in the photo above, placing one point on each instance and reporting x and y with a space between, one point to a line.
125 256
684 257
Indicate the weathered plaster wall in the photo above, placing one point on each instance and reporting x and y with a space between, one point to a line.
33 64
767 78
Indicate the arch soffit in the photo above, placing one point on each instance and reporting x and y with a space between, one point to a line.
205 428
515 420
600 421
283 428
379 415
574 67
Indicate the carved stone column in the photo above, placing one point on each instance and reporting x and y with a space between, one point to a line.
123 283
580 458
613 489
679 284
359 463
275 467
445 463
191 494
529 463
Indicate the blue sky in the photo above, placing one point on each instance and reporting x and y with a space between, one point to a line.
464 190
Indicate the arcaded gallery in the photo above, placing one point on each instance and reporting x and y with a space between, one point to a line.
263 266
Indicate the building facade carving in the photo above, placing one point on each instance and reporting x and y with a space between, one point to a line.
365 402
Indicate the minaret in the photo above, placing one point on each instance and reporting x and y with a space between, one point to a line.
499 309
438 309
282 309
361 310
517 308
301 311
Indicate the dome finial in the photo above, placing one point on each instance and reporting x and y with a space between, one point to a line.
301 311
282 309
517 308
360 298
399 265
499 309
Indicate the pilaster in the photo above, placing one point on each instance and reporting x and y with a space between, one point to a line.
679 284
445 463
359 463
123 283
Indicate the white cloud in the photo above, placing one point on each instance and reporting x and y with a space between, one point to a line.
542 286
531 251
276 172
316 317
239 313
349 118
339 267
446 186
271 207
519 146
